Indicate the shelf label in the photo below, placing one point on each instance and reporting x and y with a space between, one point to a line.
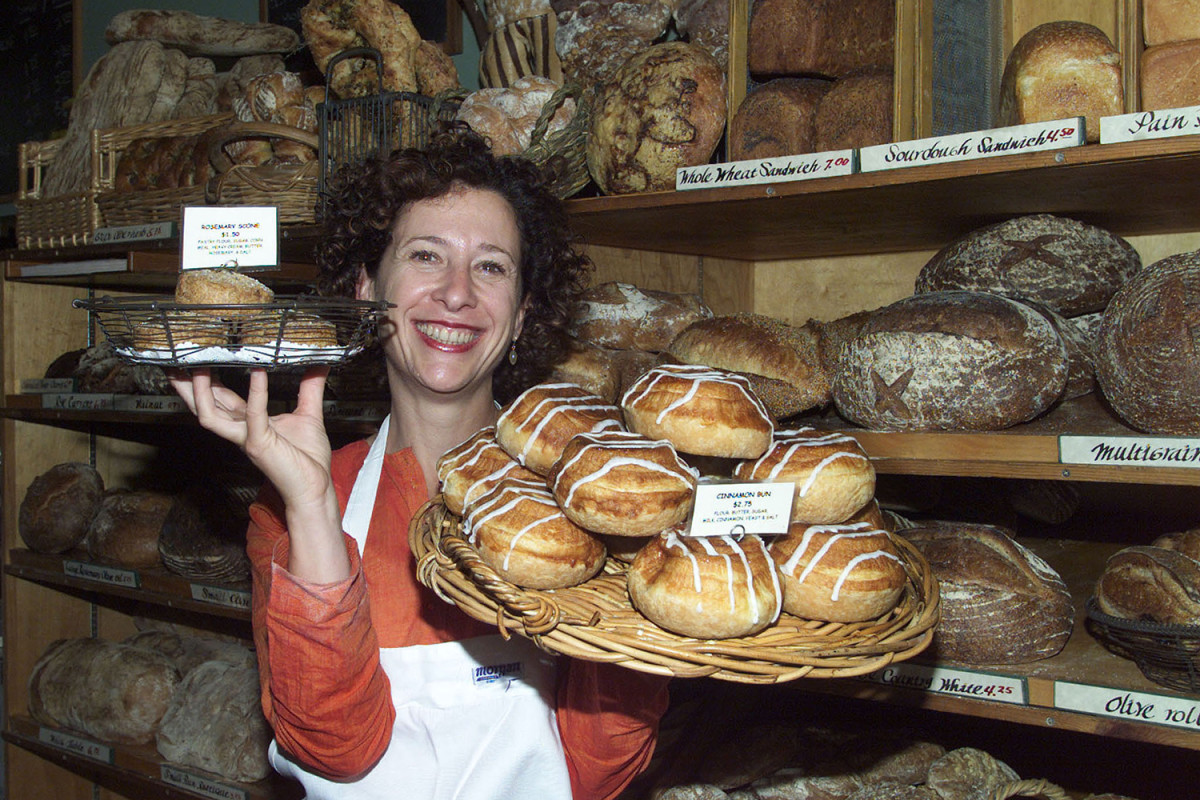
47 385
953 681
151 403
1130 451
229 236
1029 138
723 509
198 784
91 266
1105 701
78 402
221 596
780 169
1163 123
147 232
102 574
76 745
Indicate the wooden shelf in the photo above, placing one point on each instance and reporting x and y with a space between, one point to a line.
138 771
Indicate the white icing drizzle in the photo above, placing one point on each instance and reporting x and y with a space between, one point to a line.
694 373
620 442
857 530
548 407
854 562
705 543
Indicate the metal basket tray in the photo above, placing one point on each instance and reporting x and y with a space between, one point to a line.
289 332
1169 655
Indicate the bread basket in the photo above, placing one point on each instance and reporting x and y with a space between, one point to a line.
1169 655
595 621
1030 788
290 187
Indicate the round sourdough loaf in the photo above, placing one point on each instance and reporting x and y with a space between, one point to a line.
1147 360
1001 602
125 530
59 506
1066 265
951 360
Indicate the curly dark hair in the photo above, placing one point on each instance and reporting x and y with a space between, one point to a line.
363 200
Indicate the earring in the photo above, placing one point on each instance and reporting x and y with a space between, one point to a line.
512 353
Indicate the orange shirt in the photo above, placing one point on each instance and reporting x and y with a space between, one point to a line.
323 689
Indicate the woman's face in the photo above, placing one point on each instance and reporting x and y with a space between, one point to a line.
452 270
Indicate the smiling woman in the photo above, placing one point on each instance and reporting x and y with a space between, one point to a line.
367 675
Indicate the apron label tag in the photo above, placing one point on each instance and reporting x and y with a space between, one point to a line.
495 673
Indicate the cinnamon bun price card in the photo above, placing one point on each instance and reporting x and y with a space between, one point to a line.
724 509
1033 137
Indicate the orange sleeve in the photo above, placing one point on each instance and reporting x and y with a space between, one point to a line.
324 691
608 720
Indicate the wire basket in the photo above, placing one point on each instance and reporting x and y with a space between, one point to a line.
289 332
596 622
1169 655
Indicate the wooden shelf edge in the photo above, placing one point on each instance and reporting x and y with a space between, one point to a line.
136 771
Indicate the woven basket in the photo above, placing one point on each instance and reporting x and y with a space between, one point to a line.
1169 655
62 221
1030 788
595 621
564 152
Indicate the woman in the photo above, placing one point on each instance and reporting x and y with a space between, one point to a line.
373 685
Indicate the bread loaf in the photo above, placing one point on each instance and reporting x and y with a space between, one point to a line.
113 691
520 48
967 773
203 535
664 109
125 530
832 38
705 23
777 118
503 12
1166 21
594 40
1068 266
201 35
188 651
856 112
329 27
59 506
603 372
506 116
1059 70
1147 363
1170 75
1186 542
1081 353
1150 583
950 360
622 316
1001 603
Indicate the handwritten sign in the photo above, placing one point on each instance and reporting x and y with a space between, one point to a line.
198 784
766 170
722 509
102 574
1159 709
1033 137
164 404
951 681
78 402
148 232
1130 451
1160 124
229 236
76 745
221 596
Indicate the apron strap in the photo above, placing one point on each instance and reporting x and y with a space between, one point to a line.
361 504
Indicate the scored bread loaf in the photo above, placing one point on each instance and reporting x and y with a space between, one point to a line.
1001 603
951 360
59 506
621 316
1150 583
1186 542
125 530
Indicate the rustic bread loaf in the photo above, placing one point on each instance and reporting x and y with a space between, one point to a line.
506 116
125 530
331 27
215 722
894 791
1166 21
203 534
705 23
1146 362
950 361
522 47
822 37
1150 583
857 111
196 34
603 372
1170 75
188 651
503 12
622 316
199 96
59 506
113 691
1186 542
664 109
777 118
1068 266
1001 603
966 773
594 39
1062 69
1081 353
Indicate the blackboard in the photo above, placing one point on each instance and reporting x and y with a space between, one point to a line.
36 58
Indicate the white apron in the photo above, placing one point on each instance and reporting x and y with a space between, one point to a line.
474 719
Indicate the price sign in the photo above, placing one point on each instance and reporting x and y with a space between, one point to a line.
781 169
229 236
722 509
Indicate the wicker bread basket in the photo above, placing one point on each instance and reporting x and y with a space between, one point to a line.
1030 788
595 621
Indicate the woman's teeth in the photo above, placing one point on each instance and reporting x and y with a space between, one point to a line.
444 335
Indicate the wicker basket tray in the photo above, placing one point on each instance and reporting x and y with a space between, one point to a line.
1169 655
595 621
1030 788
121 319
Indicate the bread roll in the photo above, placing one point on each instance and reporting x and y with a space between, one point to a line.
622 316
699 410
857 111
1146 362
59 506
522 534
951 360
706 587
1151 583
777 118
221 286
838 573
664 109
1170 75
1166 21
1001 603
622 484
536 426
832 38
126 528
834 478
1062 69
1068 266
474 467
